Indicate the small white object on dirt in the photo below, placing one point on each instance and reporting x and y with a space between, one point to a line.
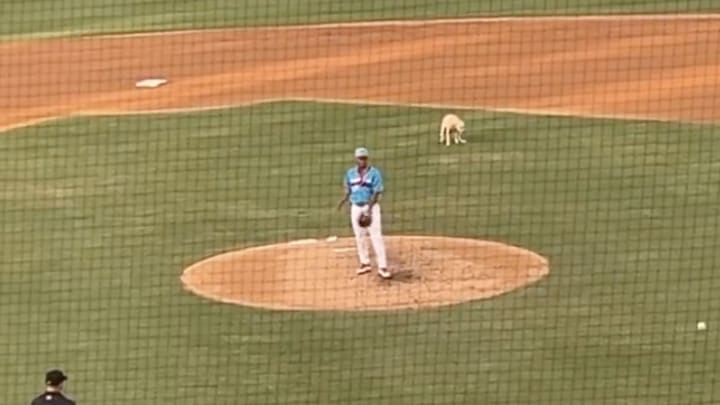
701 325
150 83
331 238
303 242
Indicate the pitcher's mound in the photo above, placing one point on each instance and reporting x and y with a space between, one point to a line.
320 275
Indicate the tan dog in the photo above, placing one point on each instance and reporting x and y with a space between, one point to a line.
452 126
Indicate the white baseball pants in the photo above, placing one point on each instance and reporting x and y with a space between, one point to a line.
375 232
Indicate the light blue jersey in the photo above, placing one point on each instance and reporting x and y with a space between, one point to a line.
363 186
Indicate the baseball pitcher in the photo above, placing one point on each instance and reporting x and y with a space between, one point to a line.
363 185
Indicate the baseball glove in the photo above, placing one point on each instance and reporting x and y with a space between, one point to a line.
364 220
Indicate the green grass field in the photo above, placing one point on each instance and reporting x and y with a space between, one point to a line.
52 18
102 214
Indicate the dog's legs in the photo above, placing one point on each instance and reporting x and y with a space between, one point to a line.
442 134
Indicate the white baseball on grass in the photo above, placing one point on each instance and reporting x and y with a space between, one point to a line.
331 238
701 325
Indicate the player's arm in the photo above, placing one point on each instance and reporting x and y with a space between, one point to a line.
344 199
346 187
377 188
374 200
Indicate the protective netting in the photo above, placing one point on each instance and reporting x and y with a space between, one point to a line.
172 172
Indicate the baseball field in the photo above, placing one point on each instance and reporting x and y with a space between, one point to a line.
177 244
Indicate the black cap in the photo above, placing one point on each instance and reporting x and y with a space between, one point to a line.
55 377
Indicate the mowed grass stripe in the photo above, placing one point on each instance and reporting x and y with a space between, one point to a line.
43 18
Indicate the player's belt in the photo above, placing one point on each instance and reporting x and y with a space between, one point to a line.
362 204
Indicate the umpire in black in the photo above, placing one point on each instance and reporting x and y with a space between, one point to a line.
53 395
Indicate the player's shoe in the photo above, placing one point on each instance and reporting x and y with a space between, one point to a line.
364 268
384 273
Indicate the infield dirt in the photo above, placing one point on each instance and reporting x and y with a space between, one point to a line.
317 275
663 69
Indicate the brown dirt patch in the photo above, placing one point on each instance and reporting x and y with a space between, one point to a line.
319 275
658 68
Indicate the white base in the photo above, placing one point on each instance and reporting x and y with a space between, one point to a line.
150 83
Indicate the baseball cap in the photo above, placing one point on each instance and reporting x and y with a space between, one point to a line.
361 152
55 377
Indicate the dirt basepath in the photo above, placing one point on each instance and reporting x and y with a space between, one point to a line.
665 69
428 272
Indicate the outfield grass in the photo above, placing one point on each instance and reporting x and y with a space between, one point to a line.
100 216
76 17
